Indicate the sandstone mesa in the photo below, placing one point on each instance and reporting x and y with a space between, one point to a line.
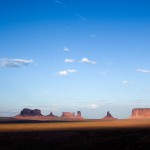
140 113
35 114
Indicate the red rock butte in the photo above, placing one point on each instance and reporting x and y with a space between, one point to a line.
140 113
70 115
35 114
52 115
29 112
109 116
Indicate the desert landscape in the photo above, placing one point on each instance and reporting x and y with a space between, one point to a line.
74 74
105 133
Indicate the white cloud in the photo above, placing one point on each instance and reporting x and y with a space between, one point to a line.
71 70
6 62
23 61
87 106
139 101
69 60
125 82
83 60
66 72
67 49
143 70
63 73
93 106
86 60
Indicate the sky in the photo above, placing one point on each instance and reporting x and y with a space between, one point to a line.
70 55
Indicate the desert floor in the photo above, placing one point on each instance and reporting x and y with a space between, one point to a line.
66 135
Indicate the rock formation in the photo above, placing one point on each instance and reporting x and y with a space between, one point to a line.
29 112
109 116
35 114
51 115
140 113
69 115
79 116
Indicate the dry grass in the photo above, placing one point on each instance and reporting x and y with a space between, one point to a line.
92 124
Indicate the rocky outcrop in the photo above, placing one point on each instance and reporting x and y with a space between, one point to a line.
70 115
109 116
79 116
140 113
35 114
29 112
52 115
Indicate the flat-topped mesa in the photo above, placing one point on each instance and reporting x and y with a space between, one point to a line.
140 113
70 115
109 116
30 113
52 115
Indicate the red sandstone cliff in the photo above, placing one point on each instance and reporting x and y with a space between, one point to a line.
140 113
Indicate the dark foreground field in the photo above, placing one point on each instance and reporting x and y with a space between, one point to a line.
94 135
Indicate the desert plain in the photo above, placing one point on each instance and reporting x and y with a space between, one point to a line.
94 134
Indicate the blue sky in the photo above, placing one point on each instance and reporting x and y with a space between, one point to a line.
70 55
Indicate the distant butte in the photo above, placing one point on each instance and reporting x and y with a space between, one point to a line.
35 114
79 115
69 115
52 115
30 112
140 113
109 116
